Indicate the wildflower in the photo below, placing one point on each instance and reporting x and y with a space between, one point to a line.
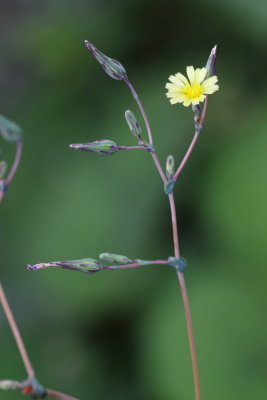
192 90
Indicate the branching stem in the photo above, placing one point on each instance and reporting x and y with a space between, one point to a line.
175 233
142 110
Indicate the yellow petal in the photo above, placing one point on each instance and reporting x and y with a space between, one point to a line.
211 89
172 78
182 79
200 74
169 95
176 100
187 102
170 86
209 82
191 74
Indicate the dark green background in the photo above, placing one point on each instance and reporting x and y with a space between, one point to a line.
121 335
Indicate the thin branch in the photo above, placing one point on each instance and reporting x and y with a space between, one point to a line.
16 162
16 334
134 265
58 395
141 108
185 302
175 232
184 160
147 148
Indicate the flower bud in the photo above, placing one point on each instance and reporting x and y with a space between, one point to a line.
115 258
87 265
170 167
210 66
7 384
133 123
3 168
9 130
104 147
112 67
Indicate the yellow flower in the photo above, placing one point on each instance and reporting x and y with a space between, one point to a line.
192 90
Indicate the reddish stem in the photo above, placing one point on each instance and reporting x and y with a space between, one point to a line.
184 160
16 334
175 233
140 105
15 163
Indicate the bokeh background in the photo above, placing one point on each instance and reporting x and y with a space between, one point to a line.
122 335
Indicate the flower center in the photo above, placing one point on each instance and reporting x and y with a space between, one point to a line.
193 91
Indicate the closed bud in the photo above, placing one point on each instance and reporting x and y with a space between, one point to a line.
104 147
84 265
3 168
115 258
170 167
112 67
9 130
87 265
210 66
8 384
133 123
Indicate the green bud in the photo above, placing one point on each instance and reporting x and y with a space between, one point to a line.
112 67
210 66
9 130
104 147
87 265
84 265
3 168
170 167
115 258
8 384
133 123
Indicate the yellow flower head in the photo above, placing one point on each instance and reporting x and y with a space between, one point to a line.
192 90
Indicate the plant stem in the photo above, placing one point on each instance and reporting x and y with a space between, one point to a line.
60 396
141 108
135 265
16 334
185 301
134 148
15 163
175 233
187 154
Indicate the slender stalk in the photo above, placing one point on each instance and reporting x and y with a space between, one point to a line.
15 163
141 108
24 354
134 148
60 396
16 334
134 265
13 168
185 301
175 234
187 154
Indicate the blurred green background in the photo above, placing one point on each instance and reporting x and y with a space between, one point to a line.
122 335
